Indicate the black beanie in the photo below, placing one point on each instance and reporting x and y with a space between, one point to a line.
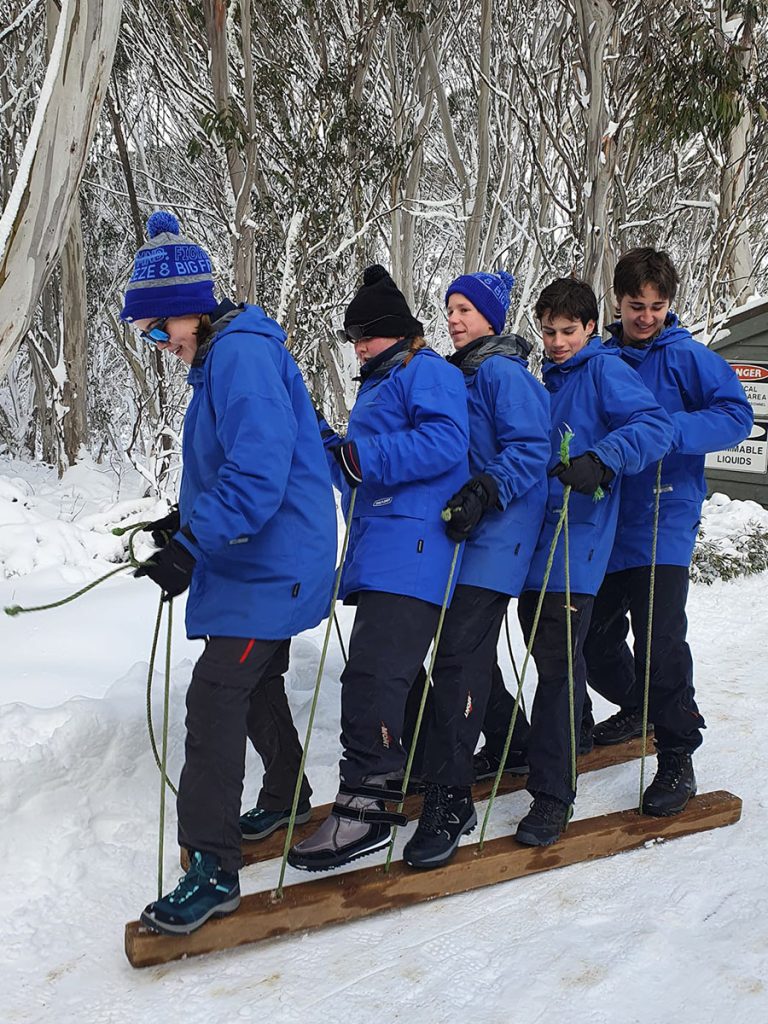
380 304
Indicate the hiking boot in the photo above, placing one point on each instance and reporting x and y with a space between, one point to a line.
205 891
258 824
624 725
545 822
486 764
673 786
358 825
447 815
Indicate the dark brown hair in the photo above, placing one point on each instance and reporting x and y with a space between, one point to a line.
643 266
568 297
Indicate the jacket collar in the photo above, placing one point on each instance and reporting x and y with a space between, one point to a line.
667 334
472 356
384 361
552 370
223 315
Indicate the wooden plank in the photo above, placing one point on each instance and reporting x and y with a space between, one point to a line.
333 899
272 846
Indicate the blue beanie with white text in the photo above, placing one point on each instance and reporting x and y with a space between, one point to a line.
488 293
172 276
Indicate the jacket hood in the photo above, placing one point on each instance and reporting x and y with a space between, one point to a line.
555 373
670 332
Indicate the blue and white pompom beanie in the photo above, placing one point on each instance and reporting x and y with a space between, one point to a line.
488 293
171 275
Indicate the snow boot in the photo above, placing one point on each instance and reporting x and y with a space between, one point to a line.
357 825
545 821
258 824
624 725
486 763
205 891
447 815
673 785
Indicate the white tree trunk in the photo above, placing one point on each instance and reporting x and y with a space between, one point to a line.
36 220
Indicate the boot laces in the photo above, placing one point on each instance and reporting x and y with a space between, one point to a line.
671 769
623 718
437 799
199 874
548 809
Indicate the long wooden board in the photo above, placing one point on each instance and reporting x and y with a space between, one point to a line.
333 899
600 757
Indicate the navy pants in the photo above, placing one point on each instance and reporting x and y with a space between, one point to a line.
618 674
549 743
236 693
387 647
462 683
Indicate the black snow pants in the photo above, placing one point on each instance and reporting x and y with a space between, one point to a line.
549 743
237 692
461 684
619 675
387 647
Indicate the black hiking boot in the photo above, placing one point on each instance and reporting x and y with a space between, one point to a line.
486 764
545 822
673 786
447 815
624 725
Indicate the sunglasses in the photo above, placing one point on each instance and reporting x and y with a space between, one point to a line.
356 332
154 334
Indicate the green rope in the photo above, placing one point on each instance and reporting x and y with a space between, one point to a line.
132 563
569 642
524 669
150 674
512 659
163 773
565 443
651 594
422 705
320 667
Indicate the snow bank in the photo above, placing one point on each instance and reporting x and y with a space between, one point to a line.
732 541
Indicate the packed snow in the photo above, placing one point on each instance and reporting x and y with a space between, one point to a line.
676 931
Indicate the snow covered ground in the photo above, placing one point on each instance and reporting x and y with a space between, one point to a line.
676 932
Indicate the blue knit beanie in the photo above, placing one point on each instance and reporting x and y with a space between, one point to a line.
488 293
171 275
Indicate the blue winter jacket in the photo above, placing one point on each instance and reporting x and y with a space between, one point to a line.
709 412
409 424
509 440
611 413
255 489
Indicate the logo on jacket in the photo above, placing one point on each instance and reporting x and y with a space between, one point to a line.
382 501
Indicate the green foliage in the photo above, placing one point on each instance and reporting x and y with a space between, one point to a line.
692 80
745 555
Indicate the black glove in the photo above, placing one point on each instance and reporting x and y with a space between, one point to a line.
466 508
163 529
584 474
170 568
347 457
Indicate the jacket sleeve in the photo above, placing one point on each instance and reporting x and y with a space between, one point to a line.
720 415
641 431
436 403
521 415
257 430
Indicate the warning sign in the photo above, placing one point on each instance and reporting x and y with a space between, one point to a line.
751 456
754 379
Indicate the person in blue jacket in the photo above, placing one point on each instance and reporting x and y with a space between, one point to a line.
617 429
405 452
709 411
498 513
255 545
